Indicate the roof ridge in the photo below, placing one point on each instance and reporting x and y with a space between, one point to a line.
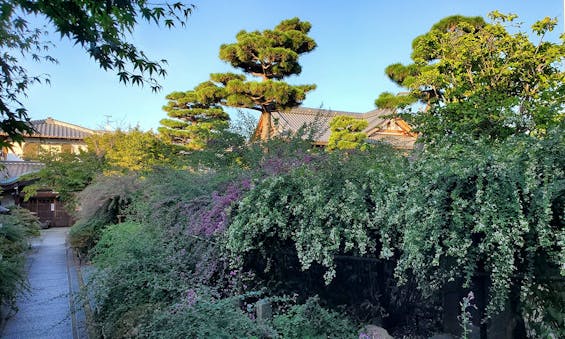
318 111
50 120
378 112
333 113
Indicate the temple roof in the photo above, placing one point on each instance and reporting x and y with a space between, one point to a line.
11 171
54 129
382 125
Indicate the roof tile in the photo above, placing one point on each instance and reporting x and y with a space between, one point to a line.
54 129
317 121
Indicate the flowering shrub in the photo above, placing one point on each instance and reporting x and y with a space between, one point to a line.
334 205
456 212
481 209
451 213
213 219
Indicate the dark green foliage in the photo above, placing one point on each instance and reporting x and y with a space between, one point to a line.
15 230
271 55
270 94
101 28
194 119
132 278
494 210
85 233
310 320
205 318
544 308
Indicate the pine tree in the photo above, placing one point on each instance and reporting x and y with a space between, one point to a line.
195 117
347 133
270 55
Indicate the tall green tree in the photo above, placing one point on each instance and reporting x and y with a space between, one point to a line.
66 173
478 78
347 133
271 55
101 28
130 151
195 117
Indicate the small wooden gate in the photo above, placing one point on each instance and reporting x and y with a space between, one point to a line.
48 209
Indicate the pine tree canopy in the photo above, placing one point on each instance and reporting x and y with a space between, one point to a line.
269 95
195 117
347 133
271 54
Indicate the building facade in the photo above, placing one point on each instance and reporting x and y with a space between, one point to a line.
51 136
382 125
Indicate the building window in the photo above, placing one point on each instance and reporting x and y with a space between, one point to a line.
31 151
50 149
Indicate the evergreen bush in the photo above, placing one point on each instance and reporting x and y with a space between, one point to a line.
15 230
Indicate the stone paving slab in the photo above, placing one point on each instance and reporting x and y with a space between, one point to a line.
44 312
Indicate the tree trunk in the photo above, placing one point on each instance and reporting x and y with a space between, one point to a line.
266 125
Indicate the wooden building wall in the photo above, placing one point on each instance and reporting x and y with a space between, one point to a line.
49 210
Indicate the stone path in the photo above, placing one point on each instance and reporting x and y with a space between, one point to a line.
47 310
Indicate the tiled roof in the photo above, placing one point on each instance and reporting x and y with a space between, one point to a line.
318 120
54 129
51 128
11 171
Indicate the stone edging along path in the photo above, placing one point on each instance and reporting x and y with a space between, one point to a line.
52 307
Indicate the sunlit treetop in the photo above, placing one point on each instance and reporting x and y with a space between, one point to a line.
270 54
478 78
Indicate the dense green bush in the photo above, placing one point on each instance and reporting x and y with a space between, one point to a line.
481 209
132 278
454 213
15 230
86 232
204 318
310 320
150 262
102 203
449 213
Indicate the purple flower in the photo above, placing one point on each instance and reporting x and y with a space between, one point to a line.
214 216
191 297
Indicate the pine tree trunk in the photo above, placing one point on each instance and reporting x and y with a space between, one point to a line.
266 126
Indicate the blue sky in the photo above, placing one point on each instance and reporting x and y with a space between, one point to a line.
356 41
